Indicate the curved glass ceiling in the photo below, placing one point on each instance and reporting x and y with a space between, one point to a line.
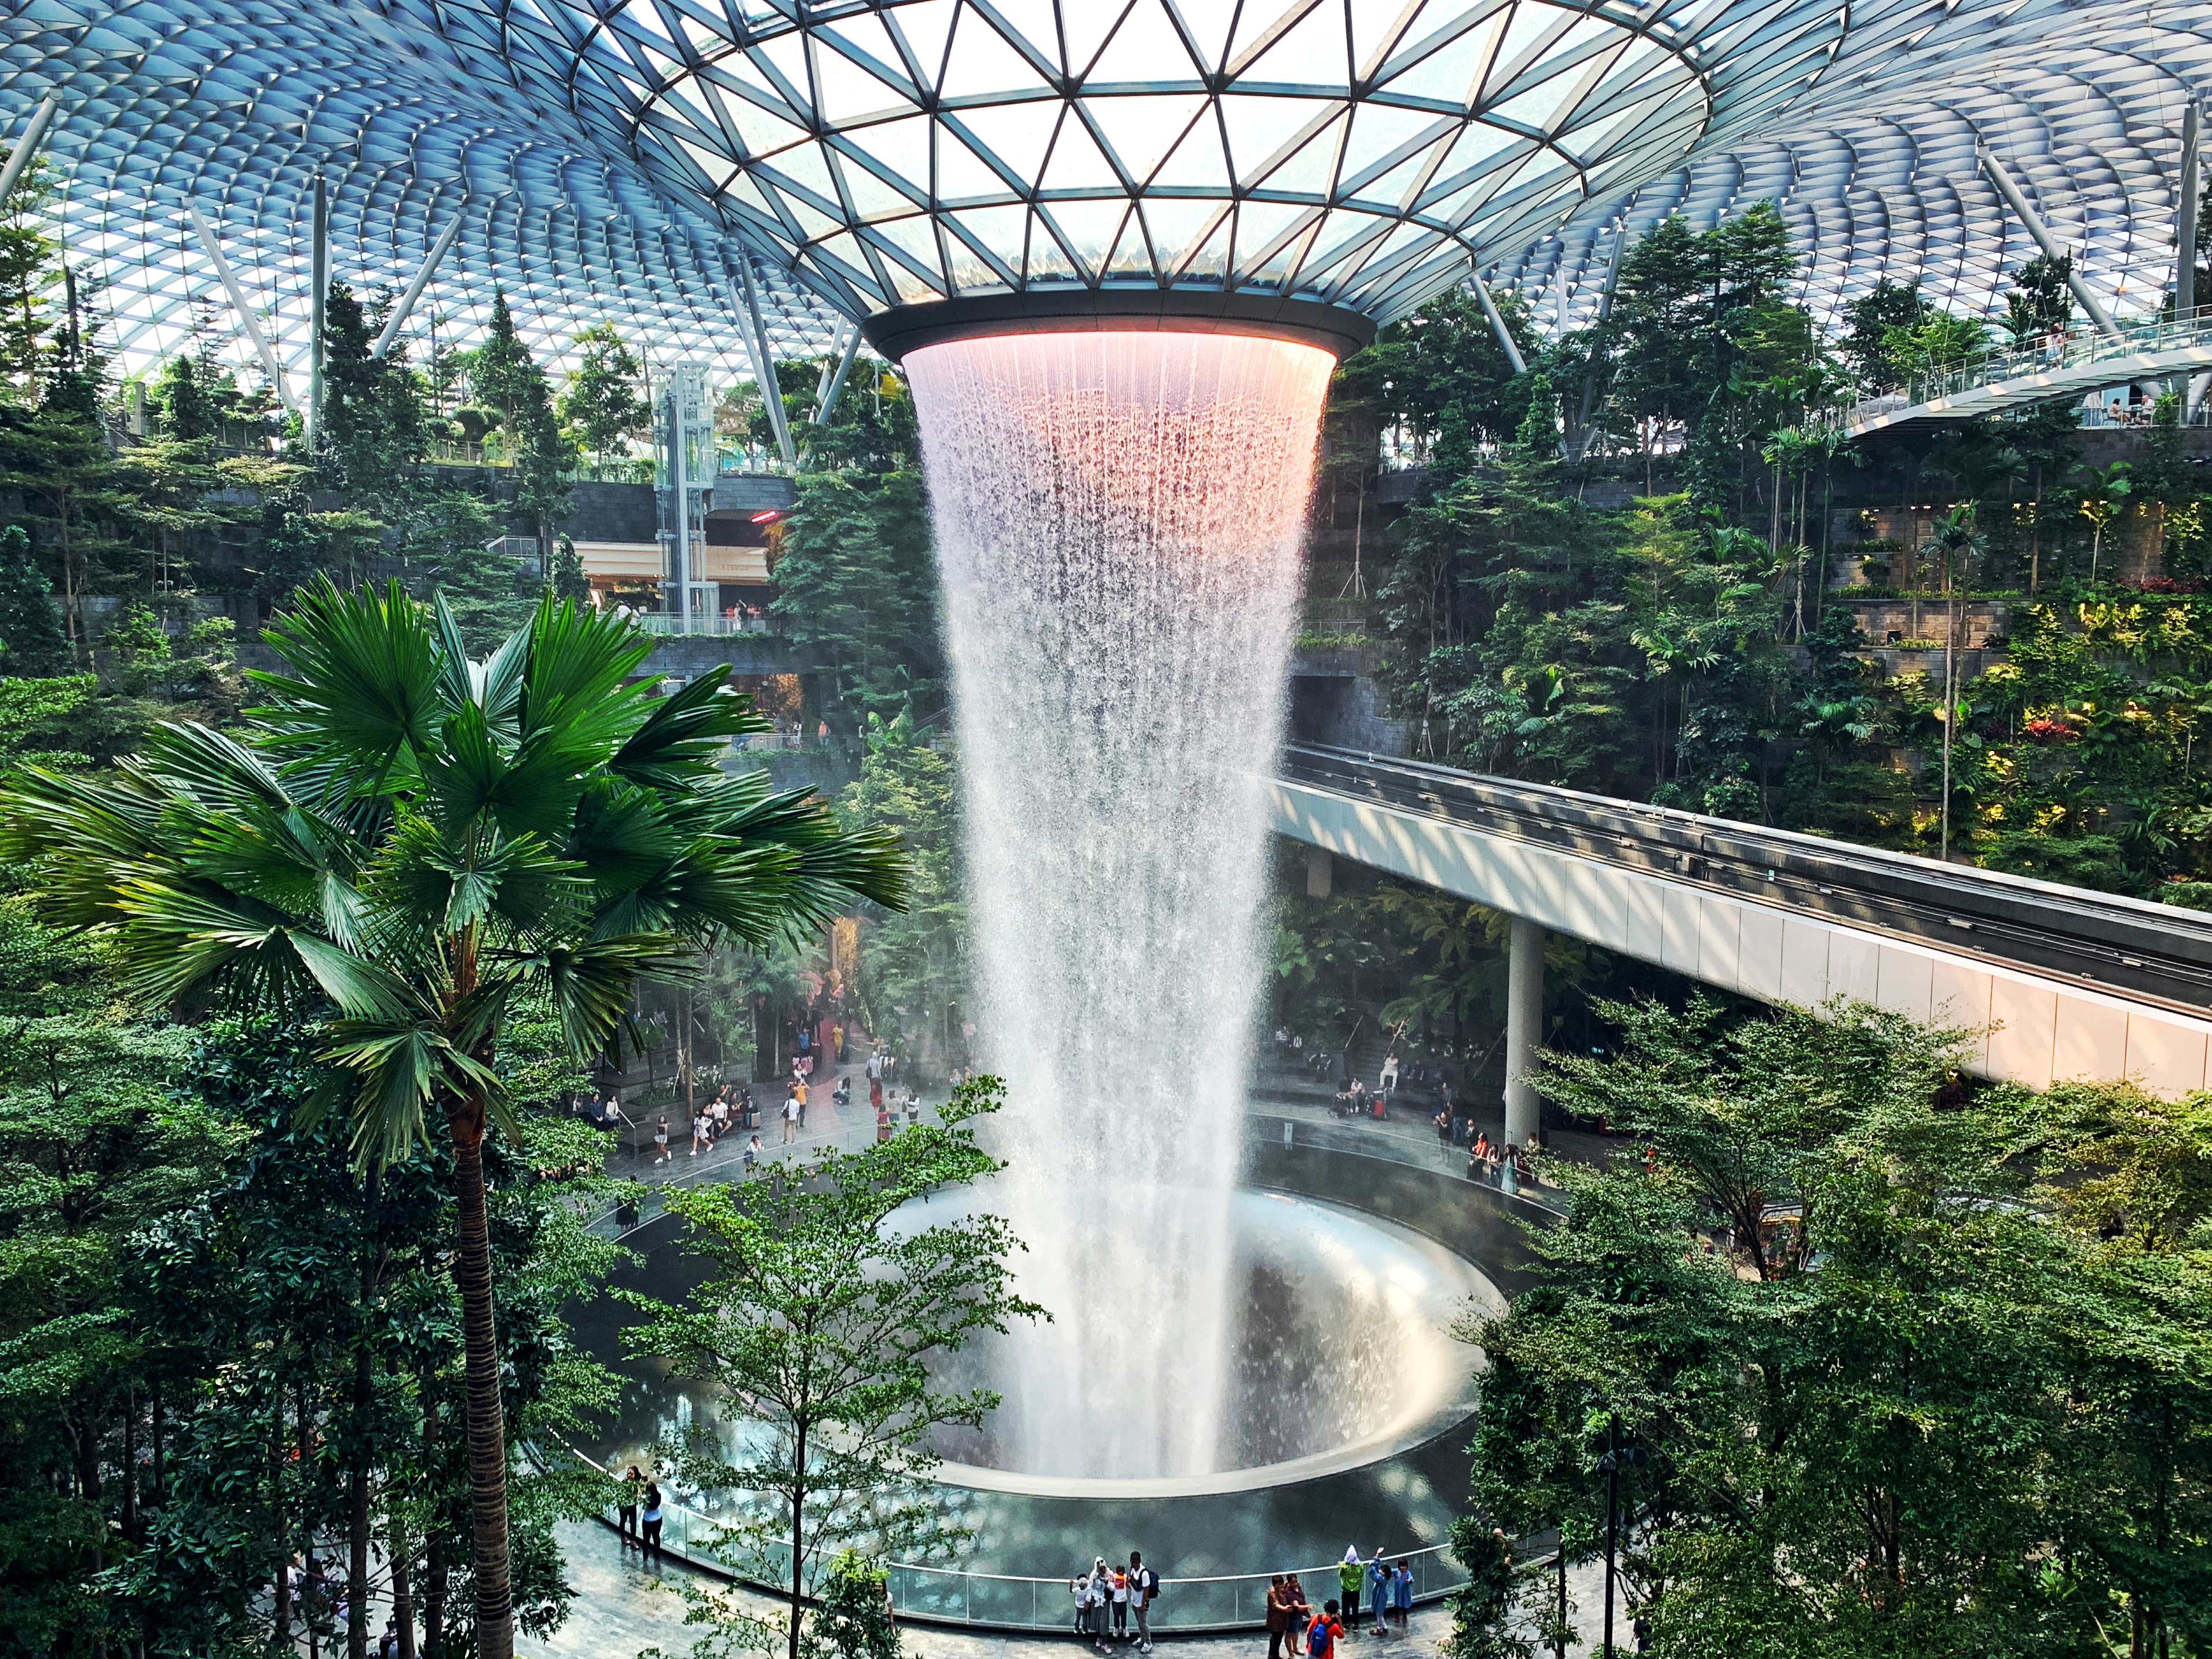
624 158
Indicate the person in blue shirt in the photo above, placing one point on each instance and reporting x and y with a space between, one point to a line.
1381 1585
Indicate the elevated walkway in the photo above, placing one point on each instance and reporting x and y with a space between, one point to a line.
2076 363
2061 984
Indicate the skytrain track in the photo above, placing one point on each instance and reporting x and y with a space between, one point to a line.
2156 954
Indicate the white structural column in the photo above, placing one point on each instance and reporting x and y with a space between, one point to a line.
429 268
2032 220
763 366
257 340
828 401
2023 1027
1496 323
34 132
319 297
1524 1029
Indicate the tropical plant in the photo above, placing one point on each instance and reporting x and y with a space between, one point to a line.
405 843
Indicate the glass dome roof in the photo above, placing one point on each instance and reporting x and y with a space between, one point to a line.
628 158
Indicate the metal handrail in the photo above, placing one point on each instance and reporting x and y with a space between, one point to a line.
921 1590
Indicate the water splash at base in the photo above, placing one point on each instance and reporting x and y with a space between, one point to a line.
1118 519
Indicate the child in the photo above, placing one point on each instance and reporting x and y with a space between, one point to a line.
1321 1634
1121 1605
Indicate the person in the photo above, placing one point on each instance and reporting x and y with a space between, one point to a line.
876 1067
1301 1614
842 1094
1443 1127
632 1487
649 1546
1388 1082
1144 1585
1321 1634
1279 1616
1381 1585
752 1152
660 1152
1349 1573
387 1645
798 1094
1509 1169
1090 1592
913 1107
1402 1602
701 1137
790 1118
883 1125
1120 1604
875 1094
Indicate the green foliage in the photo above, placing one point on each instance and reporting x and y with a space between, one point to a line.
32 644
825 1317
601 403
1885 1359
854 1620
912 959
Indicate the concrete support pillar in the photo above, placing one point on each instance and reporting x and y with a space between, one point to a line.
1320 872
1498 323
1524 1029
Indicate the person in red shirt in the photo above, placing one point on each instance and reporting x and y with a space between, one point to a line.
1322 1634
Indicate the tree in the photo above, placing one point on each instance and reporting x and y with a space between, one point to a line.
422 841
821 1323
32 646
856 585
1887 305
2041 301
916 958
503 374
601 403
855 1617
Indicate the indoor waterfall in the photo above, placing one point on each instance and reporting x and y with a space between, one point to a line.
1118 516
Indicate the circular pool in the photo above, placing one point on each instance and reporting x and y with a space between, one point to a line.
1347 1385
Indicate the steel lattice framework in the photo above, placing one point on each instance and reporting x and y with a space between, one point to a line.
620 158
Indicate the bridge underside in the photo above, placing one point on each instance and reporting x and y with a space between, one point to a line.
2068 380
2030 1028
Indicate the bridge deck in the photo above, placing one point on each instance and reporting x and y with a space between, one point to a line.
2068 983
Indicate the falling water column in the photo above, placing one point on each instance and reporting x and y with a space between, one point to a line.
1118 516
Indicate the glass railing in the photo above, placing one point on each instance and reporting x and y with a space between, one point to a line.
667 622
947 1594
2055 353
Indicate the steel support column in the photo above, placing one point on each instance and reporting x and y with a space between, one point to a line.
319 298
257 340
393 323
764 366
34 134
1497 321
1524 1029
2033 223
828 401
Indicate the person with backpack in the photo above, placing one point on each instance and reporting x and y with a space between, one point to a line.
1144 1586
1321 1635
1349 1577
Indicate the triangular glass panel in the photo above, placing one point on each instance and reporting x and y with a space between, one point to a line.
871 197
1131 256
1255 20
1208 22
1260 127
1197 162
925 26
962 175
844 92
1311 53
910 288
1388 189
1142 129
1146 51
810 221
763 134
713 164
784 58
861 36
915 237
1534 108
1176 222
1527 37
1089 228
1048 261
1084 28
1077 163
1341 235
1017 134
982 65
1311 170
805 166
1261 230
1452 69
1479 150
1037 22
995 231
1379 131
1378 26
899 148
1210 263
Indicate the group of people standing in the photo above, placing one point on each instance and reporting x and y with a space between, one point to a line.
1107 1598
1295 1629
638 1516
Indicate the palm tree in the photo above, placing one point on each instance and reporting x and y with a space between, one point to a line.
412 841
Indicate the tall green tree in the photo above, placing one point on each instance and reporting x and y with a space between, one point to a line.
824 1314
601 401
420 839
503 374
